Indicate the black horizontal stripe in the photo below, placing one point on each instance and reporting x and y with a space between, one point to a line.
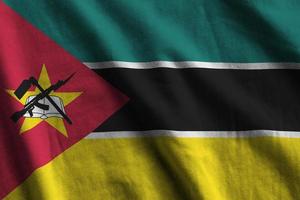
205 99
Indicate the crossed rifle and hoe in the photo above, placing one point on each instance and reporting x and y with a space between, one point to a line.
44 93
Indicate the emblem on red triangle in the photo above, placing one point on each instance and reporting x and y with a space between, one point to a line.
49 99
44 104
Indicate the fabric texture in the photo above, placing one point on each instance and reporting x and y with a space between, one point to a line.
168 99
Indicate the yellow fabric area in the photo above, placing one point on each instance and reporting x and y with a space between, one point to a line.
170 168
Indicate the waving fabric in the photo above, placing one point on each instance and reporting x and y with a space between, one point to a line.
128 99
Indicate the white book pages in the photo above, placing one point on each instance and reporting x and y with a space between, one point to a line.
44 114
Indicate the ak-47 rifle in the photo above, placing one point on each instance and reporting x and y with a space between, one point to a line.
35 101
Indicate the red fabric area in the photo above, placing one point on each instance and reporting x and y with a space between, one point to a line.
23 51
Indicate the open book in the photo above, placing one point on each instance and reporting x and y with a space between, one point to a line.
44 114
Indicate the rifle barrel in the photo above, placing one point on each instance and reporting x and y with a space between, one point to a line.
44 94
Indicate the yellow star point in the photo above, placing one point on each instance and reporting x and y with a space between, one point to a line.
55 122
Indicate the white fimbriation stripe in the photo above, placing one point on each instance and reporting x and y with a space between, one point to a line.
194 134
190 64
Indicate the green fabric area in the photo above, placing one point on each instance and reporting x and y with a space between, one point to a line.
175 30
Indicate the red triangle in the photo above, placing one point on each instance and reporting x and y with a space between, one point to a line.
23 50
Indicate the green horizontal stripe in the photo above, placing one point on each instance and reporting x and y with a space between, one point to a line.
171 30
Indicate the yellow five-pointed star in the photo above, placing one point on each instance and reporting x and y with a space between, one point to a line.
56 122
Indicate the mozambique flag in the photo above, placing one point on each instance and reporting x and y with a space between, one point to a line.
128 99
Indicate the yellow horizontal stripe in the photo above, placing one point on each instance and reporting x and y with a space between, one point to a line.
170 168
